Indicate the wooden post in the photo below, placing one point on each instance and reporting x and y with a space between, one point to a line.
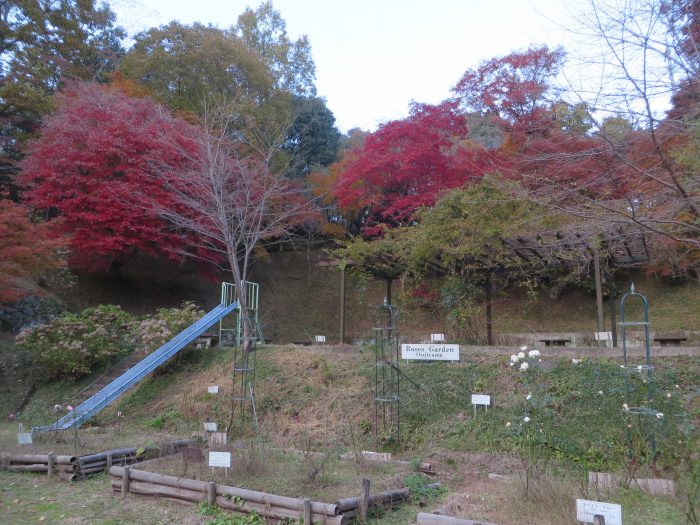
611 300
364 501
125 482
307 511
109 461
211 493
388 290
342 302
51 465
598 290
489 318
598 520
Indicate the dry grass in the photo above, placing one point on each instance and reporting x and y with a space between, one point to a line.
322 476
89 440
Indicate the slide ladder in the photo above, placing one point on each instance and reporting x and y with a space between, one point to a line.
135 374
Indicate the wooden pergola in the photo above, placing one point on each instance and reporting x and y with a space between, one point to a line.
555 250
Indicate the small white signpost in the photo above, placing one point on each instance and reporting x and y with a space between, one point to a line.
214 389
220 459
587 510
210 427
23 438
430 352
320 338
437 338
481 400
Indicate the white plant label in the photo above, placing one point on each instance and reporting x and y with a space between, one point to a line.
437 338
481 399
214 389
220 459
320 338
586 510
24 438
603 336
210 427
430 352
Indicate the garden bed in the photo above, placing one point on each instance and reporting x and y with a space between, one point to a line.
320 476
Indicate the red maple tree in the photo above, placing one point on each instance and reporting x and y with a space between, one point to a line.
405 164
27 251
92 168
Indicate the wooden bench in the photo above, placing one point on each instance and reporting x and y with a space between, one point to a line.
670 341
555 341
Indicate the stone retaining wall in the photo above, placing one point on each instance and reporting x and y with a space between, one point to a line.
30 311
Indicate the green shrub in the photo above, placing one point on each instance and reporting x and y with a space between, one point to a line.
73 345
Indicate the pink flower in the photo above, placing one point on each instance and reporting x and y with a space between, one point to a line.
69 408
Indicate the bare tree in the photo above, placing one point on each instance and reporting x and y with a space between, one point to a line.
231 198
640 67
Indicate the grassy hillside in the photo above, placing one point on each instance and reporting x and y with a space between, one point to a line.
320 401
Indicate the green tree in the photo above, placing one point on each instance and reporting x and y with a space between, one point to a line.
43 42
313 139
265 32
186 66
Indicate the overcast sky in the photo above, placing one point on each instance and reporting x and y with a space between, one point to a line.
373 57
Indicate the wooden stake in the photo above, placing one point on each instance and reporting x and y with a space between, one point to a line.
364 501
109 461
51 464
598 291
342 302
125 482
489 315
211 493
307 511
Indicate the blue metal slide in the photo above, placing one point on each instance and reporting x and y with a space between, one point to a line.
138 372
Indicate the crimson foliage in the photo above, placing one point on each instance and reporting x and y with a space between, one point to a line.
27 251
406 164
93 167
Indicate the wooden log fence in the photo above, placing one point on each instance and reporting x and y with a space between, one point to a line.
72 468
271 506
64 467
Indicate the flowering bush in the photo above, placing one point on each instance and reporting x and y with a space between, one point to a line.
72 345
156 330
531 356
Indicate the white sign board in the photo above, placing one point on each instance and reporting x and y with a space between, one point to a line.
481 399
220 459
586 510
437 338
210 427
430 352
214 389
24 438
320 338
603 336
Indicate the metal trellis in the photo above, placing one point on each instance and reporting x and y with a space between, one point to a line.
387 375
646 371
